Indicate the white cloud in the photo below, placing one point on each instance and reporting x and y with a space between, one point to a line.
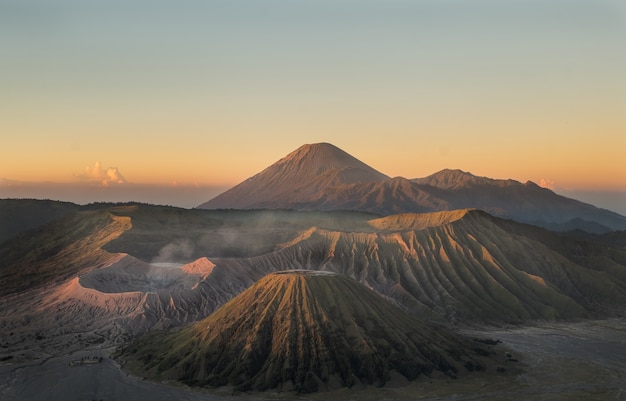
546 183
103 176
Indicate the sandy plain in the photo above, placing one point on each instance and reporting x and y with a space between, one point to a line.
584 360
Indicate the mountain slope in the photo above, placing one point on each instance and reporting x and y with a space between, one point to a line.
296 178
526 202
464 266
457 179
59 250
323 177
20 215
118 272
303 330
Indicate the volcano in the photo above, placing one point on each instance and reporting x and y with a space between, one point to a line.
305 331
323 177
296 179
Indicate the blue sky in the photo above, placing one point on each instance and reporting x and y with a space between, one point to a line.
210 92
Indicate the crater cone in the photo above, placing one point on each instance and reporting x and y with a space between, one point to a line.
304 331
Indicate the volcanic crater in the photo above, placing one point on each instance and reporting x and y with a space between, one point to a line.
129 274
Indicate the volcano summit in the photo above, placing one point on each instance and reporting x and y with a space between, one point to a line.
296 179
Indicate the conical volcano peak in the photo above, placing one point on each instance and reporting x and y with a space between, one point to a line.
317 149
317 158
297 178
323 154
305 331
320 148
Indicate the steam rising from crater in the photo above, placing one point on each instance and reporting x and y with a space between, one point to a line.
175 251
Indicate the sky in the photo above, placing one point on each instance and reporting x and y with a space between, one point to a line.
174 102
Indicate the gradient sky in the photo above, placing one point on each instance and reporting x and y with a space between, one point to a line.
203 94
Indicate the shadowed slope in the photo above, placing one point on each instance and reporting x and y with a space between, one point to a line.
526 202
391 196
302 330
457 179
57 251
20 215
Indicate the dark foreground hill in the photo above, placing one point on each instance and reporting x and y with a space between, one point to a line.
323 177
58 251
20 215
304 330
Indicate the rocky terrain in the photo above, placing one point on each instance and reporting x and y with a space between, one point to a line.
107 276
305 330
99 277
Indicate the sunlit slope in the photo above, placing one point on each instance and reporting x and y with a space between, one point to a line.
468 266
303 331
412 221
59 250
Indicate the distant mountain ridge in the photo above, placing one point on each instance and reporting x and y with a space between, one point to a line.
455 179
324 177
526 202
